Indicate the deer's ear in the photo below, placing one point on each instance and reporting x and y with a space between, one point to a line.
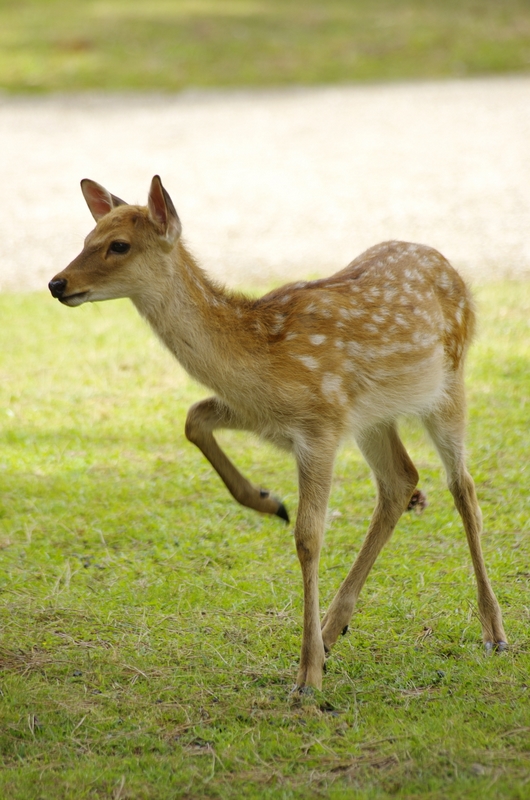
162 212
99 201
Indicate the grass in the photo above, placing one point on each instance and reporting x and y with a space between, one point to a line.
70 45
150 627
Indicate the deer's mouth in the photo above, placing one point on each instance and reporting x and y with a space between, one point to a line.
76 299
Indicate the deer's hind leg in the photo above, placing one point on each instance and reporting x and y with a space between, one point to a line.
396 478
209 415
446 428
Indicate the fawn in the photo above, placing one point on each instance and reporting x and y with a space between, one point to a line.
304 367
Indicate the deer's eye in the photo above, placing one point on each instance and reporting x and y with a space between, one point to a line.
119 247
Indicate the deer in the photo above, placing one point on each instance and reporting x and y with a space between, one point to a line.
305 366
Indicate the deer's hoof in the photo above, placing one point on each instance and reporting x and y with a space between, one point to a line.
495 647
418 502
302 691
282 513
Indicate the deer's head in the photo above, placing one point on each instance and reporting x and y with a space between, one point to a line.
120 254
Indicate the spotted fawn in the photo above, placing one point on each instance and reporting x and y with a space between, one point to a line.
305 366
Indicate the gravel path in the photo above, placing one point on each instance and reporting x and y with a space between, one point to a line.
276 185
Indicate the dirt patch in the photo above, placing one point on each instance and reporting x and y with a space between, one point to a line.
276 185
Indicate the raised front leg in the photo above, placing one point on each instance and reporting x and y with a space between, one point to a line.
314 486
207 416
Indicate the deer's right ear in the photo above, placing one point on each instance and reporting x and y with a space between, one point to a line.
99 201
163 213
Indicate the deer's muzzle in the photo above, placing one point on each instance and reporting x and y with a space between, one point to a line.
57 287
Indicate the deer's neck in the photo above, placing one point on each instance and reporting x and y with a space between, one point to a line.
200 323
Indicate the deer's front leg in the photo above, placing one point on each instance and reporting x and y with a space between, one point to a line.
314 487
207 416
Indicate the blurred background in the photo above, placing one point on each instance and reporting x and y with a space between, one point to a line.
291 134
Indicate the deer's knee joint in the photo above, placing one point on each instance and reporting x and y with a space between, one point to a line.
190 430
303 550
194 423
307 547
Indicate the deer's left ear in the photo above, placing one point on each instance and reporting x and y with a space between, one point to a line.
162 212
99 201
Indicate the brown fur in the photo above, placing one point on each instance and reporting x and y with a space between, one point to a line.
305 366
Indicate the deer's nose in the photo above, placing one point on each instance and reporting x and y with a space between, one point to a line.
57 287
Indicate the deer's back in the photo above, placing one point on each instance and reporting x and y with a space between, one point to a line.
382 337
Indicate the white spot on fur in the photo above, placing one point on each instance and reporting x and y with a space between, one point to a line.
352 313
332 388
371 328
355 349
443 280
423 339
308 361
278 324
317 338
350 366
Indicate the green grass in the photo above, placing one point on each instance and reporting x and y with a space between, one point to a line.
150 627
66 45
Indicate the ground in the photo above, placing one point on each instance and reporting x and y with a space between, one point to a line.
276 185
